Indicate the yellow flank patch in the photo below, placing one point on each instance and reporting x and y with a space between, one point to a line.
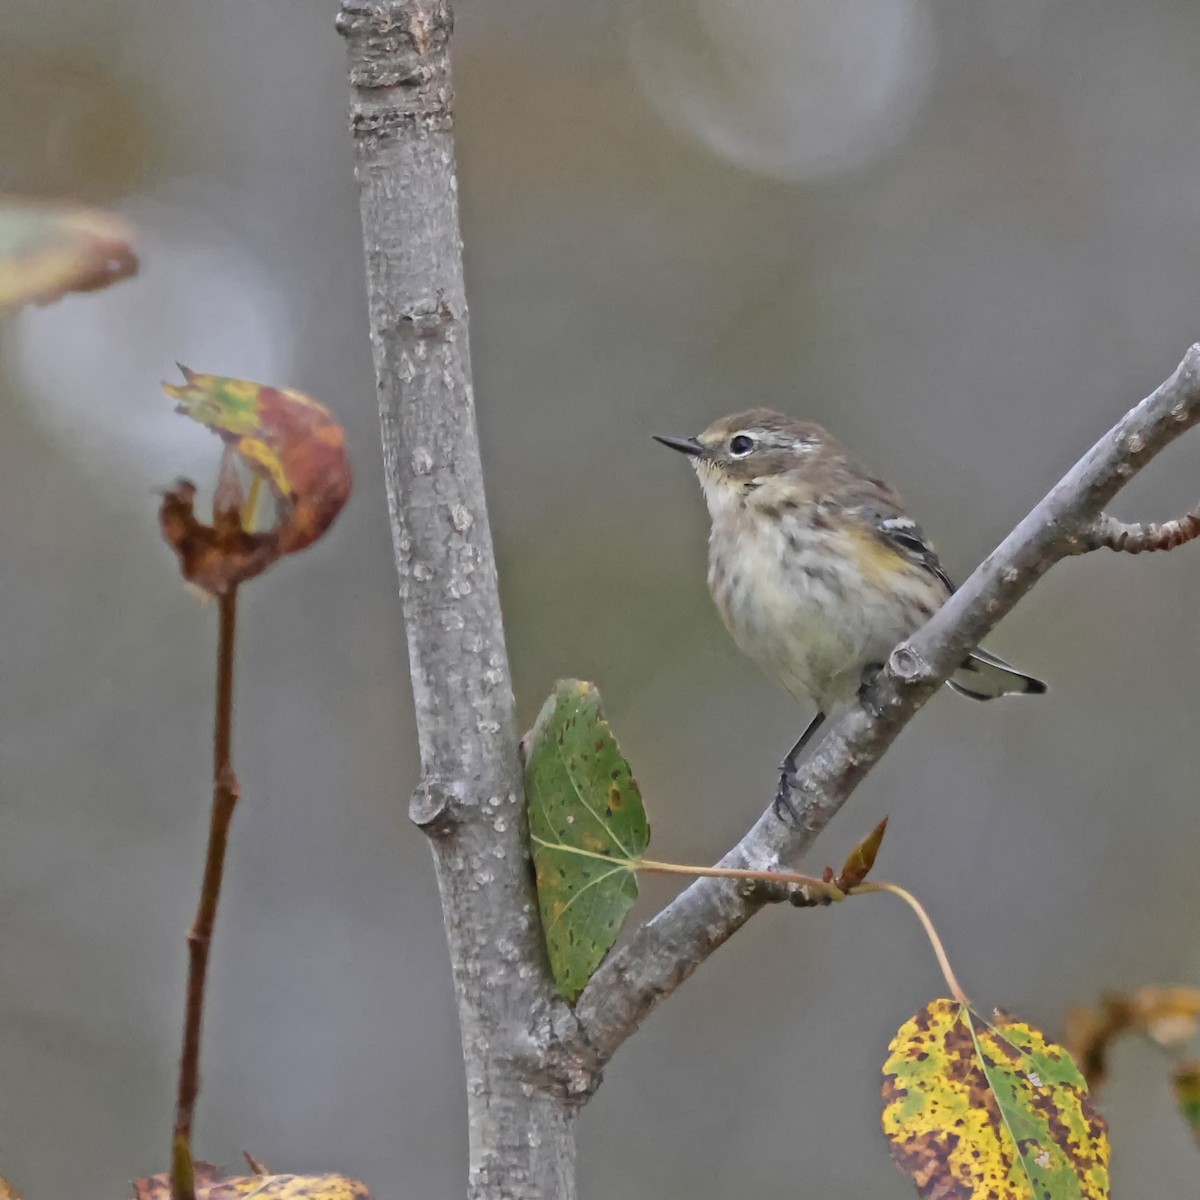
877 561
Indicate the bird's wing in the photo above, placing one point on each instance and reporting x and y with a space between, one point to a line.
888 521
906 536
983 675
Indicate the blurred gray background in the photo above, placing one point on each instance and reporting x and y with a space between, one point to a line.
965 237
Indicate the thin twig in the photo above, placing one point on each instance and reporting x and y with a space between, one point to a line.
225 797
1132 537
827 890
931 933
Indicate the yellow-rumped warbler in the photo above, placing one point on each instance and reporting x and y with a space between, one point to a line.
815 567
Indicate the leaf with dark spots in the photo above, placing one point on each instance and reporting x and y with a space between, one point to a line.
586 835
976 1109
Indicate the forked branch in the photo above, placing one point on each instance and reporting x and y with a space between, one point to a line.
1070 520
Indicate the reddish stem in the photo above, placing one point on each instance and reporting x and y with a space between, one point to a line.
199 939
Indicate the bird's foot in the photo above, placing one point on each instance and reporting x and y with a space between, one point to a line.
866 687
782 805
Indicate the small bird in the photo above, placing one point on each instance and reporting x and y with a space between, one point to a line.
815 567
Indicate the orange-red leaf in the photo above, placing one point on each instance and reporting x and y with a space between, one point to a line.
287 439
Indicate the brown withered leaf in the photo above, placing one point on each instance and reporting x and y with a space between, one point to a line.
1169 1016
48 250
212 1184
861 859
214 557
1091 1032
7 1191
287 439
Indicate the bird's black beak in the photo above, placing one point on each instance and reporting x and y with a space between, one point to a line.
683 445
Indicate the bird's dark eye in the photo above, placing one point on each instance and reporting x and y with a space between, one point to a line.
741 445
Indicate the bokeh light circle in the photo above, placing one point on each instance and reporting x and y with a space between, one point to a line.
792 89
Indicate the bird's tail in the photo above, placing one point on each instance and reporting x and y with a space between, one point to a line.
984 677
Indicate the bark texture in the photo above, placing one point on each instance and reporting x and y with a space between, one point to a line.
526 1071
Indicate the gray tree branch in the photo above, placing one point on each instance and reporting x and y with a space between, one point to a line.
526 1069
1070 520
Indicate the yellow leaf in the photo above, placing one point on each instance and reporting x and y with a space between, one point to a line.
210 1185
979 1111
287 1187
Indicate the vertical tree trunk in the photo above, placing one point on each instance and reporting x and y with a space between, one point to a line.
525 1075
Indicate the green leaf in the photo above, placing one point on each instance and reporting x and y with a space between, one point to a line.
861 859
1185 1082
587 828
976 1110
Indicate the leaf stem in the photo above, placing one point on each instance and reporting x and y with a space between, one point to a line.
250 508
930 932
199 939
665 868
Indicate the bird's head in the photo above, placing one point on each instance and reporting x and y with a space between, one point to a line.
756 451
